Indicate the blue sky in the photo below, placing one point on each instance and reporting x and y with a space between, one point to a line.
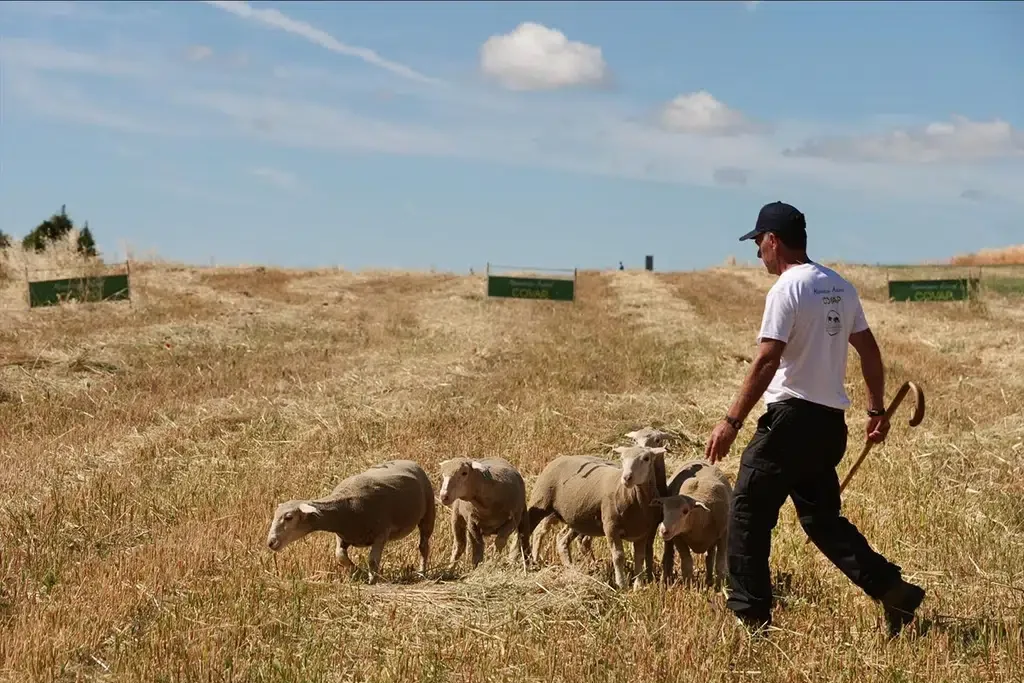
539 134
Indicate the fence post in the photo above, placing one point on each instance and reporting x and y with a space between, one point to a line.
128 273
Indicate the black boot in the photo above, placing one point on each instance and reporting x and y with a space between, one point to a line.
900 602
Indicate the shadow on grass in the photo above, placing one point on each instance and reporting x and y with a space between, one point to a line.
967 632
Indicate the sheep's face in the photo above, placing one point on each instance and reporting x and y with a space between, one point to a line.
680 514
292 521
459 479
649 436
638 463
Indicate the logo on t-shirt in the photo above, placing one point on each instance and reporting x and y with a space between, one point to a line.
832 323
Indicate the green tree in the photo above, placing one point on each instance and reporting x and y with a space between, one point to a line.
50 231
5 241
86 244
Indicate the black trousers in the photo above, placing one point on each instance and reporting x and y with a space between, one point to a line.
794 452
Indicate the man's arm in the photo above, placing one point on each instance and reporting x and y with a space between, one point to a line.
769 356
871 367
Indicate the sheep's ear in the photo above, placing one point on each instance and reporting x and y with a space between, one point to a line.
660 450
621 449
631 435
482 469
701 505
308 509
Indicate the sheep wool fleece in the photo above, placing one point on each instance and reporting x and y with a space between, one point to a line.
799 440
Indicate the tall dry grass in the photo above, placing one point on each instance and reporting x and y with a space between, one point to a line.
60 260
1013 255
144 447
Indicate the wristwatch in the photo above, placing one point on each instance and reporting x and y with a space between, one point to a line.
736 424
876 412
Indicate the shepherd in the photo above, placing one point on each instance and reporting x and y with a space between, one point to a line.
811 313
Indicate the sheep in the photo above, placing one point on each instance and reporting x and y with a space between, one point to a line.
487 498
649 436
586 542
594 497
381 504
695 518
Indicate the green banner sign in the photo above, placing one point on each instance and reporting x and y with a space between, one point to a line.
530 288
932 290
100 288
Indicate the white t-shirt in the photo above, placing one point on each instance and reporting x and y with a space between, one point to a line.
814 310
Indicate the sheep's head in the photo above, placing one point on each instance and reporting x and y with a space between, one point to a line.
638 463
680 514
459 478
292 520
649 436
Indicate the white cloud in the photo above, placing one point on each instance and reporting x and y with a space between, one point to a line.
282 22
960 140
198 53
57 100
535 57
700 113
323 111
36 56
313 125
282 179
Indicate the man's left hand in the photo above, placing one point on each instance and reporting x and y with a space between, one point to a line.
721 439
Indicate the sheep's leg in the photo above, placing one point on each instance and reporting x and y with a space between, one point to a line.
540 532
523 534
618 559
639 561
649 556
502 533
341 553
564 543
459 534
586 547
668 561
685 561
476 542
709 566
426 527
721 560
376 550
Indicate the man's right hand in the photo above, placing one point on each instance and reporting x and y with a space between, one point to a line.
877 428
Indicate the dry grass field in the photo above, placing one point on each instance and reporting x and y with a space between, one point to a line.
144 447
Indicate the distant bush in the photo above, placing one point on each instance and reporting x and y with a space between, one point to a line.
85 243
54 246
54 229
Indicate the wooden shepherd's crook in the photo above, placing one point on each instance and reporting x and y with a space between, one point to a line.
915 420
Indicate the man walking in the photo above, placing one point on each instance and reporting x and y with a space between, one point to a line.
811 313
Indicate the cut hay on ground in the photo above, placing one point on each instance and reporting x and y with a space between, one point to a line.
144 447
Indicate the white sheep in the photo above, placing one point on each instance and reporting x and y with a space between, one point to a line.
695 517
594 497
650 436
487 498
381 504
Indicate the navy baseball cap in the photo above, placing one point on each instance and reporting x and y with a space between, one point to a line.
778 217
